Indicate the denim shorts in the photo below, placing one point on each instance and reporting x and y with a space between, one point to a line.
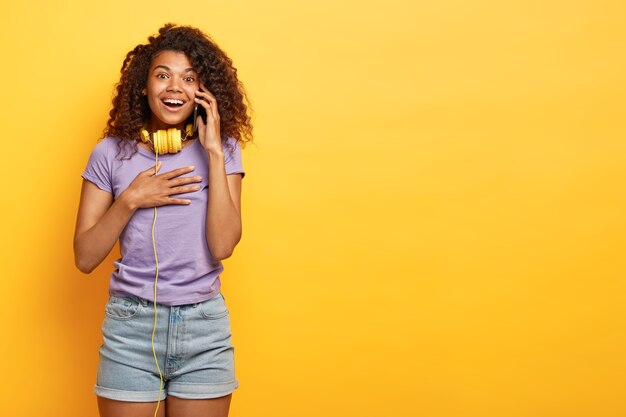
192 343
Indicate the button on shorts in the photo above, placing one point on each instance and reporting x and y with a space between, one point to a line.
193 347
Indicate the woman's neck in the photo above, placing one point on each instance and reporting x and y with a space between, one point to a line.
154 125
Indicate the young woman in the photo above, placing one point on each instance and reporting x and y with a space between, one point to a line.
172 196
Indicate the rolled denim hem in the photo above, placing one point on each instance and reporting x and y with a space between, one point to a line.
130 396
195 391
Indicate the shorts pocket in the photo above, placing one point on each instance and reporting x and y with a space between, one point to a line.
121 308
214 308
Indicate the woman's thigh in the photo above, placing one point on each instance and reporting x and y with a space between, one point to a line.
113 408
212 407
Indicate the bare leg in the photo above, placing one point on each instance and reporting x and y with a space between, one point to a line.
212 407
113 408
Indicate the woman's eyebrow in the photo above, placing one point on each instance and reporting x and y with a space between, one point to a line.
166 68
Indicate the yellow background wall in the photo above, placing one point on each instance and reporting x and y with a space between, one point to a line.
433 210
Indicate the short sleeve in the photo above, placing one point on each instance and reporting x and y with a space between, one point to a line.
98 168
232 158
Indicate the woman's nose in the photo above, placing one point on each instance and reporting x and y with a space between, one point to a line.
174 84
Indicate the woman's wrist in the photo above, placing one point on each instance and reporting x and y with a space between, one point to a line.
127 201
214 153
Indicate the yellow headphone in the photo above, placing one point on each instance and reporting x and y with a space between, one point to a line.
166 140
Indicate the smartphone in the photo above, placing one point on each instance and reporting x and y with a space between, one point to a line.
198 110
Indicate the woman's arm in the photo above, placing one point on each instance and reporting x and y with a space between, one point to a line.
99 223
223 219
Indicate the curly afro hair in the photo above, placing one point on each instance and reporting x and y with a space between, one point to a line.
215 69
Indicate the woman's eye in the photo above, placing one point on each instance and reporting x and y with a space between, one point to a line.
190 79
161 75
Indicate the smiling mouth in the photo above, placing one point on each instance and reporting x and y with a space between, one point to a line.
172 104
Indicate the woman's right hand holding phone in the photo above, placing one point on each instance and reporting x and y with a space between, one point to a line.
153 190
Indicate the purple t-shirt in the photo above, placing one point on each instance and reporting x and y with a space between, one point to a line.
188 273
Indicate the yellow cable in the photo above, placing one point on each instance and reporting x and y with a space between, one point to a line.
156 278
159 145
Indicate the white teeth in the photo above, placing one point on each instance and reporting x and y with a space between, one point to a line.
173 101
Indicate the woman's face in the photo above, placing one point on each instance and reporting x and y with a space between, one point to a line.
171 88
